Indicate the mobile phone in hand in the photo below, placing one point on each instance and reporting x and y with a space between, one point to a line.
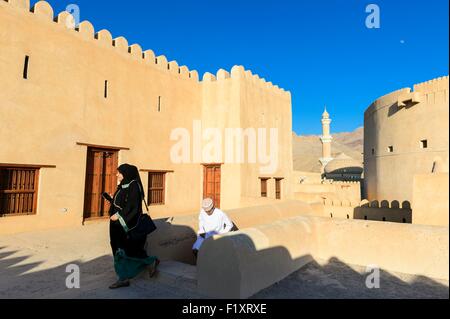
106 196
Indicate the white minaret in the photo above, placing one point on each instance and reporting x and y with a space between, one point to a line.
326 139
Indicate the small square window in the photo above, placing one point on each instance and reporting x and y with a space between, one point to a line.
424 144
390 149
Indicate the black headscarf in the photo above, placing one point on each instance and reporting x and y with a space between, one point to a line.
131 173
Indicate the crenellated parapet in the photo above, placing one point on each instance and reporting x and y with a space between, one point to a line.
435 85
386 100
410 96
44 11
239 72
345 182
384 204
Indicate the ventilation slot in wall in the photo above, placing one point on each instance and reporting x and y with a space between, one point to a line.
106 89
25 67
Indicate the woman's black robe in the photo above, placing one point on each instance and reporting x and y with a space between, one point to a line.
130 200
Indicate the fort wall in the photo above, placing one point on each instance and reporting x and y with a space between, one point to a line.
405 132
89 87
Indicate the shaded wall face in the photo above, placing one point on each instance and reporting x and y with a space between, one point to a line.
270 109
220 110
240 101
62 102
393 145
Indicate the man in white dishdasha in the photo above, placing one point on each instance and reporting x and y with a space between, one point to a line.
212 221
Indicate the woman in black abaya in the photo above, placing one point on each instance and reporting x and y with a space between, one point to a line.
130 257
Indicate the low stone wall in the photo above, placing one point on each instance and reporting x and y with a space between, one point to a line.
405 248
238 265
329 190
385 211
175 236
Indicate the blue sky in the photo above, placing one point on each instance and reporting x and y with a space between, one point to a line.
319 50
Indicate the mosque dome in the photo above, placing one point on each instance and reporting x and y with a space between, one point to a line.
344 164
325 114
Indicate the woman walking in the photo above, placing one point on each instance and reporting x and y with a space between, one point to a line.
130 257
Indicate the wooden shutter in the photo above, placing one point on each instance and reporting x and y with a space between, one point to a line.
156 188
18 191
278 188
264 187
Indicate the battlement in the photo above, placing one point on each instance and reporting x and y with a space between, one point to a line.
345 182
340 203
365 203
434 85
44 11
239 72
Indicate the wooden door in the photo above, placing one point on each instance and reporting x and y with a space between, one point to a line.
211 183
101 177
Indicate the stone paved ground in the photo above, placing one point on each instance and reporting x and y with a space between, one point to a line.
336 280
33 265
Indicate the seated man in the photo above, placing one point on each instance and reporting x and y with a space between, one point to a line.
212 221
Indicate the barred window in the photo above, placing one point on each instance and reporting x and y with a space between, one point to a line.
156 188
18 191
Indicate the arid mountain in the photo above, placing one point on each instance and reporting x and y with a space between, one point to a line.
308 149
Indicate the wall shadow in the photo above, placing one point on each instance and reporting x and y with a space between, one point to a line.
308 278
337 280
385 211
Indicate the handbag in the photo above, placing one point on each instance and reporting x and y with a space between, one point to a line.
144 227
